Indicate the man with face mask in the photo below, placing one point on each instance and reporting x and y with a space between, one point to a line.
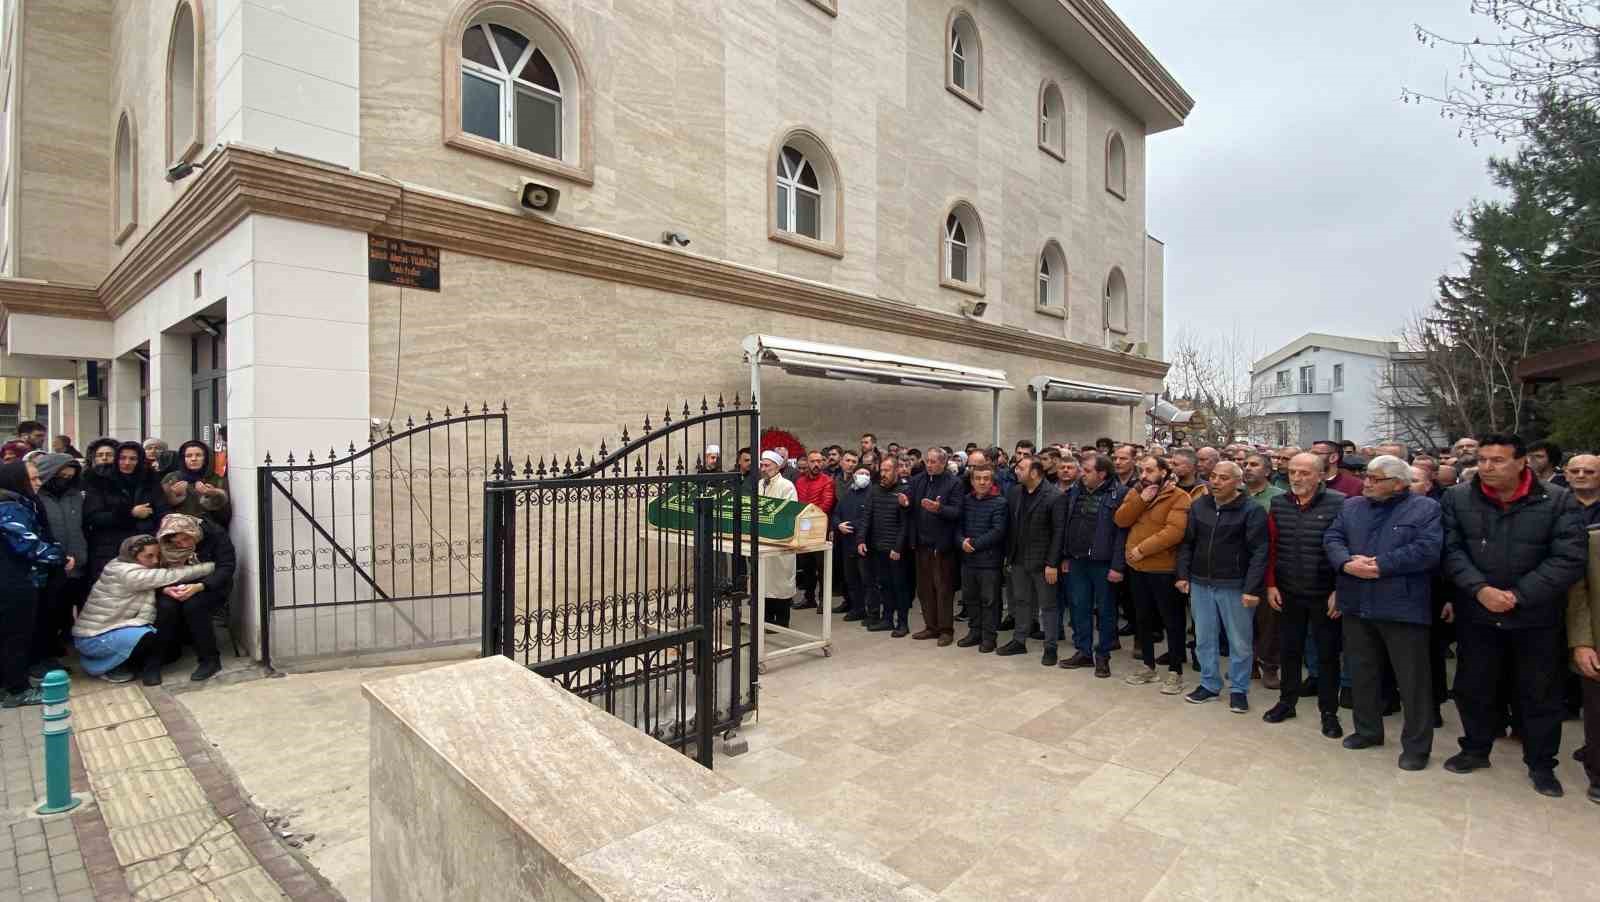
777 572
848 509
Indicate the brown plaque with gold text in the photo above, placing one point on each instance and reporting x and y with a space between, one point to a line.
404 263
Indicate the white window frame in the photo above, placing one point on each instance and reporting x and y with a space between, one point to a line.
1338 430
963 44
1283 383
1338 376
1053 129
1053 272
953 224
1116 166
509 85
1308 379
789 181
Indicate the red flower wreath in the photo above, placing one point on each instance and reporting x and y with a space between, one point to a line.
774 437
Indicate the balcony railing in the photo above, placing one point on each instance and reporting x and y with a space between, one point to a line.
1294 387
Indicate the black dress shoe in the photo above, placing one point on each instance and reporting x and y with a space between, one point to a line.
1036 633
880 626
1594 793
1413 762
853 616
1331 727
205 671
969 640
1546 784
1008 623
1102 668
1012 648
1356 741
1465 763
986 648
805 605
841 607
152 675
1049 658
1078 662
1279 713
900 633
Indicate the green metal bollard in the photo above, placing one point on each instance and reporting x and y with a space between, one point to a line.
57 727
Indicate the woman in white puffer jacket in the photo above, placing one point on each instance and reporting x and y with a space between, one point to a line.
115 632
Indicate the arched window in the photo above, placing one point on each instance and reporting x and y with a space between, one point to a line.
964 58
1052 121
125 180
1116 303
185 103
961 257
1116 166
515 88
1052 288
806 194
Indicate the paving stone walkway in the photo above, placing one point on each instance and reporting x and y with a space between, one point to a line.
39 857
162 817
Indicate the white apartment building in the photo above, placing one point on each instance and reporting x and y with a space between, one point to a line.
191 190
1337 387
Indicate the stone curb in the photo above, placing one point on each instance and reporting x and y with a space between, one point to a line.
298 880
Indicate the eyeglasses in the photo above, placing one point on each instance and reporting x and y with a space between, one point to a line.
1373 477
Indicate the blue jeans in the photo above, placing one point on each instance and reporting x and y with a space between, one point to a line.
1314 666
1092 597
1215 610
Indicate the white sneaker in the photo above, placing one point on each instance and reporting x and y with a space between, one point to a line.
1141 677
1172 684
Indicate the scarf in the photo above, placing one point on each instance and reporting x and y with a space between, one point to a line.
176 525
128 553
1523 488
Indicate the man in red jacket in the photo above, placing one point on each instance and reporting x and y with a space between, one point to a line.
813 486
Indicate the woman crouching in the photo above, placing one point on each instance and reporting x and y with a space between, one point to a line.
115 632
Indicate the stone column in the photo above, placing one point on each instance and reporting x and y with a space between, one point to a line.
171 389
122 398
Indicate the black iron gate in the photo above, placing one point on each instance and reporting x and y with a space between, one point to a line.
647 622
380 549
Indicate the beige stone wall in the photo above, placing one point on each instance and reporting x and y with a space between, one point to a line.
577 359
63 141
140 30
689 96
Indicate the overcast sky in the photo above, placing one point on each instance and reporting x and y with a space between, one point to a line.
1302 195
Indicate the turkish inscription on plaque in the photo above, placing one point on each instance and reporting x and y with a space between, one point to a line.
404 263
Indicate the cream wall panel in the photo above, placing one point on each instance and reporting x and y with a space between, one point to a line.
577 359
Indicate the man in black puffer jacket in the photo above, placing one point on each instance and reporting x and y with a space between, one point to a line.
1300 585
982 539
1038 517
885 541
1513 546
1222 566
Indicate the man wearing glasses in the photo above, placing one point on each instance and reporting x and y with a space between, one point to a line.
1280 466
1384 546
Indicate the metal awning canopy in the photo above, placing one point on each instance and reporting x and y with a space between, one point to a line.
1052 388
825 361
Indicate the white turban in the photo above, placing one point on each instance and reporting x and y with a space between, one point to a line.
775 457
713 449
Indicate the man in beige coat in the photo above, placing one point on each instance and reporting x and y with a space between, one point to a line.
1583 636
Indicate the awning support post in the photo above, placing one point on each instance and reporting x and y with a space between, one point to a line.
995 433
1038 419
755 390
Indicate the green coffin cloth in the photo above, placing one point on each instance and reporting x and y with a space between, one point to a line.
675 511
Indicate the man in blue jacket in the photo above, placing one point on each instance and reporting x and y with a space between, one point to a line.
982 540
849 508
1093 552
1384 547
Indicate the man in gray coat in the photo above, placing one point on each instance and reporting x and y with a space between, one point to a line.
61 498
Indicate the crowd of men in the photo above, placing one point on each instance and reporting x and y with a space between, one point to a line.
1351 577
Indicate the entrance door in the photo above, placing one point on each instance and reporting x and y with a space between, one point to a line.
208 367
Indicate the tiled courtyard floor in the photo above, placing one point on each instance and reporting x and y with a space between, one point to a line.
994 778
987 778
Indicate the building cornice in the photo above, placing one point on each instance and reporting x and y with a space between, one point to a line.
51 299
1098 17
238 181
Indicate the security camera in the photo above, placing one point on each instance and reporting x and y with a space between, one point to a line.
537 198
182 170
675 238
974 308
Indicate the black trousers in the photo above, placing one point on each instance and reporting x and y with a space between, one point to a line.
1299 612
19 607
1367 645
808 573
1538 657
855 581
1591 729
980 592
1160 608
53 625
191 619
1440 635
